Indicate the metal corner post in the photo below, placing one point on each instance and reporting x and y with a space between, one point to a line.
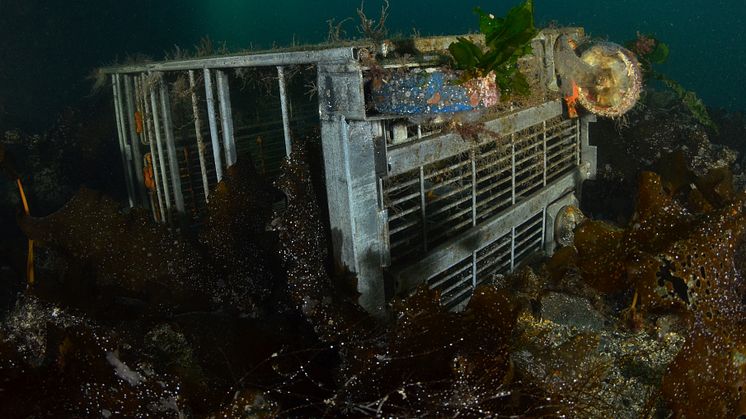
351 182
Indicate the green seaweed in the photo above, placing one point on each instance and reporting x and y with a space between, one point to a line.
506 40
650 50
690 100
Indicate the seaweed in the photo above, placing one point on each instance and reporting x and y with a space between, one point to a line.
507 39
650 50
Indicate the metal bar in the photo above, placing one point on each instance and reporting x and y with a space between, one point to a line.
473 188
531 246
390 189
448 277
284 108
173 162
577 141
155 155
246 60
198 133
134 137
543 223
474 269
226 118
403 227
512 249
404 198
144 138
401 214
212 120
544 142
512 167
154 100
450 168
423 213
122 143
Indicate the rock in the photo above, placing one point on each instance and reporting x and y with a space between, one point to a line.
572 311
586 370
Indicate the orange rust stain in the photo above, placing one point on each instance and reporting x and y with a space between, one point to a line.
147 172
138 122
434 99
474 99
572 101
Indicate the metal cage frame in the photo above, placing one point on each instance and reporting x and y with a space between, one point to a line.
407 205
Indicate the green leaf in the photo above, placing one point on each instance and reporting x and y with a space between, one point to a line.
466 54
660 54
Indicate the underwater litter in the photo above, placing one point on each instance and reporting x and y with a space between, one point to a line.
252 302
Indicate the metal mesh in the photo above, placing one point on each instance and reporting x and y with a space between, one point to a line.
435 202
456 284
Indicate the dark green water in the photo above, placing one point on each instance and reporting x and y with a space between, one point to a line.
48 48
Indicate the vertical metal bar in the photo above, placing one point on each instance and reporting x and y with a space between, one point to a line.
135 142
474 187
122 143
512 168
544 140
144 138
212 120
543 226
577 141
423 211
284 107
419 131
226 118
154 100
173 161
474 270
198 132
154 155
512 249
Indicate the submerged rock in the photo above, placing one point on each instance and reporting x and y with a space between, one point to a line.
591 371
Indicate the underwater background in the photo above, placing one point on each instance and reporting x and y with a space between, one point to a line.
640 311
48 48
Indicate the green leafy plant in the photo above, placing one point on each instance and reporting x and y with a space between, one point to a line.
652 51
506 40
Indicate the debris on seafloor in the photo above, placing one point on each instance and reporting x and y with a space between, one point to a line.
677 257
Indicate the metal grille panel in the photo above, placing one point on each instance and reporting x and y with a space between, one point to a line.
437 201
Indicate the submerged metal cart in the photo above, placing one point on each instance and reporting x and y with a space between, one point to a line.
409 203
